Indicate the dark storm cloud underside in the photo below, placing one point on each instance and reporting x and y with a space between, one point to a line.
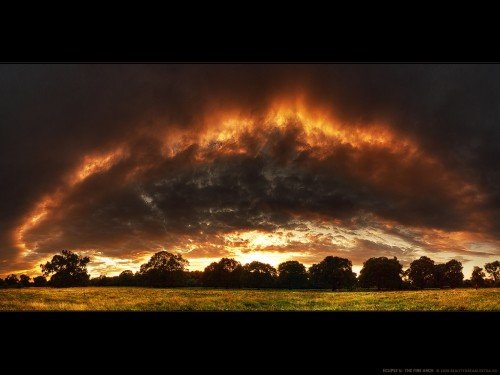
52 115
265 190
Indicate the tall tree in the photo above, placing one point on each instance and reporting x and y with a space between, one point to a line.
126 278
164 269
421 272
24 280
439 275
67 269
332 272
226 274
292 274
493 269
258 275
39 281
453 275
382 273
448 274
477 278
12 281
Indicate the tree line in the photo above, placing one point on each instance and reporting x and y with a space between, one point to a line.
165 269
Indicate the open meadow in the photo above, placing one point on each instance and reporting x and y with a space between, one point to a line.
202 299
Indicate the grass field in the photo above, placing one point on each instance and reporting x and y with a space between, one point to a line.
198 299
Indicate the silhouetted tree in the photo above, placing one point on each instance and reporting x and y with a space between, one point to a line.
258 275
453 275
2 283
332 272
406 285
477 278
24 280
39 281
382 273
489 282
226 274
101 280
439 278
164 269
194 278
421 272
493 269
11 281
67 269
126 278
448 274
292 274
467 283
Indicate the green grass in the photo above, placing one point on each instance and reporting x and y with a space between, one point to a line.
199 299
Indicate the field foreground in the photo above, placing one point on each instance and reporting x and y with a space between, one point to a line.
200 299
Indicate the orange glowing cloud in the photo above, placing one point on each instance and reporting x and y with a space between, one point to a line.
375 157
91 164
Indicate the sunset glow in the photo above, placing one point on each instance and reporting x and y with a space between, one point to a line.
292 175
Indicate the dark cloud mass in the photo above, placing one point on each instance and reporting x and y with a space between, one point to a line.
129 159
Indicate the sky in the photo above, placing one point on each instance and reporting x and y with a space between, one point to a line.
253 162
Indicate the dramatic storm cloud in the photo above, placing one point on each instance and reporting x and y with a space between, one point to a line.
265 162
